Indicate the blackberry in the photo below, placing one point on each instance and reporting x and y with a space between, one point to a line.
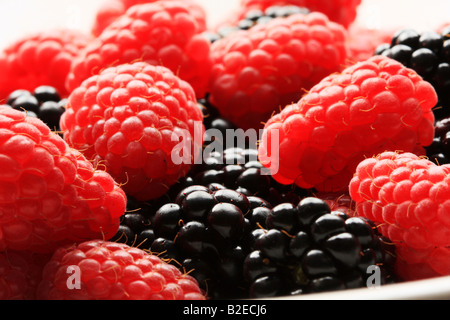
319 250
254 17
44 103
204 231
239 169
428 53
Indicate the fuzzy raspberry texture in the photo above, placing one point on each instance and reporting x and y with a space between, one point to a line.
373 106
49 193
259 70
164 33
20 274
42 58
103 270
113 9
128 119
409 197
341 11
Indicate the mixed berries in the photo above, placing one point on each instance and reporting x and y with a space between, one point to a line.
129 168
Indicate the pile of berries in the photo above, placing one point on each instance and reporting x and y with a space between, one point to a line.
285 152
240 246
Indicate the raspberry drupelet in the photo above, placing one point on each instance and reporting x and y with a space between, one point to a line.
126 118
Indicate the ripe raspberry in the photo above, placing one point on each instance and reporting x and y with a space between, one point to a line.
163 33
341 11
113 271
408 196
258 70
372 106
42 58
49 193
20 274
125 117
111 10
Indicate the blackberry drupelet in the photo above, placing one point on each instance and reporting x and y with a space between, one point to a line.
428 53
44 103
323 250
254 17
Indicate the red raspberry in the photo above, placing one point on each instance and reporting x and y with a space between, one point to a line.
49 193
124 119
160 33
373 106
409 197
113 271
43 58
111 10
20 274
341 11
258 70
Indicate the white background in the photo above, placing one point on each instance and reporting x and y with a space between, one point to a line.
19 17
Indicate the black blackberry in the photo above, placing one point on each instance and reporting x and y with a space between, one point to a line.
44 103
204 231
254 17
428 53
239 169
309 248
